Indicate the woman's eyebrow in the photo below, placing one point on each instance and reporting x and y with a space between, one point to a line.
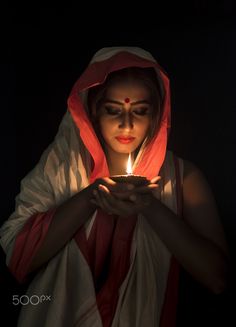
132 103
140 102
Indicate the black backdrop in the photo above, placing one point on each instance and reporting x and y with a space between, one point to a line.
48 49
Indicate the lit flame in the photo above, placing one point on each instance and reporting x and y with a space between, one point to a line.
129 170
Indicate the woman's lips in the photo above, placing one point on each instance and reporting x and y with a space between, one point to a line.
125 139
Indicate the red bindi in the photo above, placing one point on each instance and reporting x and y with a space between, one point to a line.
127 100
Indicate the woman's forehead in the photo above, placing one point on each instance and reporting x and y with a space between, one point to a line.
127 90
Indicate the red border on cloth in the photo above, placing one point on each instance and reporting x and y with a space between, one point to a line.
27 243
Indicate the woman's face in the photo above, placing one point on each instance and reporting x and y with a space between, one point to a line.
124 116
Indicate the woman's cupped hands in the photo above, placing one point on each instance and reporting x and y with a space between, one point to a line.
123 199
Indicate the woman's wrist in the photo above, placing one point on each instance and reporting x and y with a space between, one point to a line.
90 196
152 206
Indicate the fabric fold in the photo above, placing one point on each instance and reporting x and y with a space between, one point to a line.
27 243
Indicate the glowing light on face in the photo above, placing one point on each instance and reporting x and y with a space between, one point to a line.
129 169
124 126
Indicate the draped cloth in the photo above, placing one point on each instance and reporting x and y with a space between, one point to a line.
139 286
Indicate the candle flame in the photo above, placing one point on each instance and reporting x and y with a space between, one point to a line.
129 170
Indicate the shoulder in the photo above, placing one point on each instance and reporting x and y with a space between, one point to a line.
195 184
189 169
190 173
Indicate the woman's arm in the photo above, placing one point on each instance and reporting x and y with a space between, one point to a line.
197 240
68 218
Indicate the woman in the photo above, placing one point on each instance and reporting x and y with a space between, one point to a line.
107 253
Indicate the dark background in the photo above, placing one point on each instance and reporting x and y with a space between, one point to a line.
48 48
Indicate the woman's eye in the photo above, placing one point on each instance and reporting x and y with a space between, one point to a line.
141 111
112 111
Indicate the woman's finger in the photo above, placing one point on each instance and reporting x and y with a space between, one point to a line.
94 202
146 189
155 179
107 200
98 199
116 186
141 189
140 200
119 207
125 207
98 205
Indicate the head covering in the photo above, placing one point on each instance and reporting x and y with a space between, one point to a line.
105 61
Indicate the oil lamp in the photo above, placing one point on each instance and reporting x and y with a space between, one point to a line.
130 177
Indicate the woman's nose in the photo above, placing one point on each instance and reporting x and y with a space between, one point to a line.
126 121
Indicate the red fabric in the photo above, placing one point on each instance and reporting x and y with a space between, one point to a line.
108 253
95 248
28 242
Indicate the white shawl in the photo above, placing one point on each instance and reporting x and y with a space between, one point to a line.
61 172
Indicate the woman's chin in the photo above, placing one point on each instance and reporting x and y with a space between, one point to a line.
124 149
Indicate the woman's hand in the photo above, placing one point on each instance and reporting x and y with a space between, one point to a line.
123 199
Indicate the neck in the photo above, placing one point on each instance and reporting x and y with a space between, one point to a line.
117 162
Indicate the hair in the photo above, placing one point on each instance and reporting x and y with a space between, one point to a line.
148 77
